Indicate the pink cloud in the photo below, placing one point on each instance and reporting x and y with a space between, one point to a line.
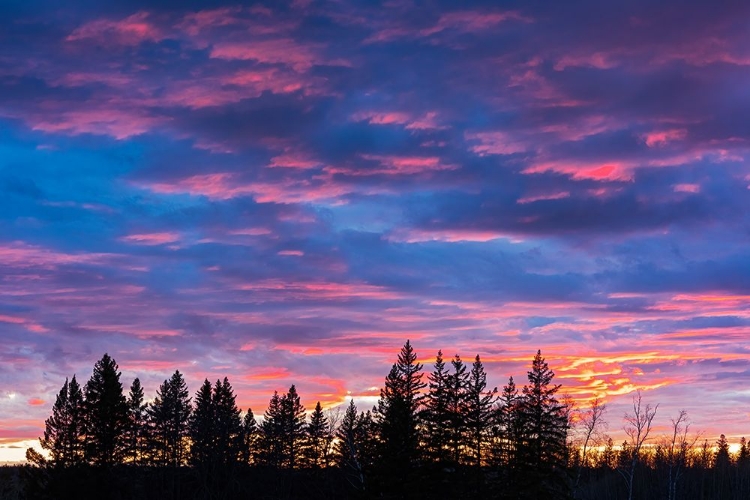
291 253
449 235
118 122
541 197
224 186
471 21
24 256
598 60
151 238
496 143
611 171
132 30
687 188
283 51
395 165
294 160
317 290
662 137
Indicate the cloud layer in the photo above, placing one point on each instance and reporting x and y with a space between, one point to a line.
285 192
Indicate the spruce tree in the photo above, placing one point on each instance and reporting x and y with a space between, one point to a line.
64 430
435 413
106 414
228 424
544 425
348 447
271 432
135 434
201 426
293 429
168 417
722 460
480 405
249 452
506 420
456 388
317 438
397 417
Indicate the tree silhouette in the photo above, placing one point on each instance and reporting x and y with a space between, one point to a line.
456 384
106 414
317 438
201 427
168 417
136 431
435 413
507 433
480 406
544 427
272 430
397 412
249 452
638 428
293 428
348 447
64 430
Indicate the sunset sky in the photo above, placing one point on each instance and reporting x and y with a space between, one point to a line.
285 192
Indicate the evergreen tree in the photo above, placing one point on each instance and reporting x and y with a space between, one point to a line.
348 447
271 430
168 416
722 460
201 426
318 440
397 418
250 437
743 455
435 414
293 428
544 425
64 432
456 384
506 431
479 411
135 434
106 414
227 424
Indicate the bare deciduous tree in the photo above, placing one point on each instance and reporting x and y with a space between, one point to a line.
637 427
590 424
677 447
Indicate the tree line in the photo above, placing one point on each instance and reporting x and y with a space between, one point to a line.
439 434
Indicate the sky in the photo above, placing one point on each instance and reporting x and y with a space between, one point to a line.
285 192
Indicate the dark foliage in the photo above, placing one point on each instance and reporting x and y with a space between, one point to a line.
457 439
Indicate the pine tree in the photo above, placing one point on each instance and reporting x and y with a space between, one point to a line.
506 418
106 414
271 431
348 447
135 434
743 456
250 438
479 411
722 459
64 433
168 417
456 384
201 427
317 438
397 417
228 424
435 413
293 428
544 425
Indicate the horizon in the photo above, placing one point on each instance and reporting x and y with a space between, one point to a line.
284 192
